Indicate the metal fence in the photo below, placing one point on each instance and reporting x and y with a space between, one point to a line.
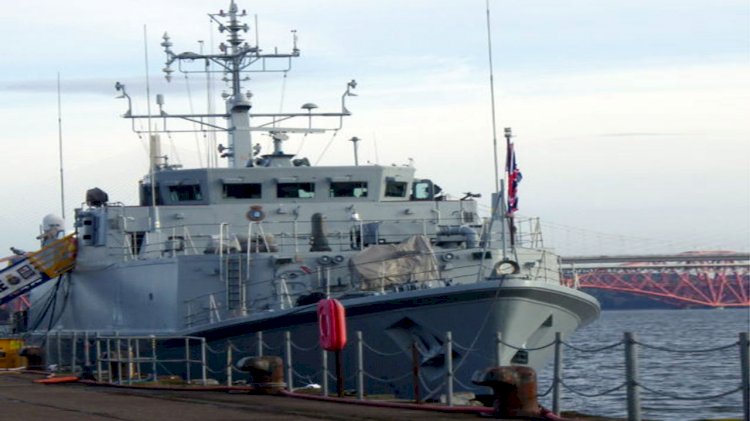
132 359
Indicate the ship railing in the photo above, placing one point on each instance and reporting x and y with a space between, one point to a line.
205 309
132 359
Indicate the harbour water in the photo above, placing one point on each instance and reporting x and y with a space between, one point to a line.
682 375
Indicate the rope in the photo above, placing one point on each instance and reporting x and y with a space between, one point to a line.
212 371
547 392
271 348
594 395
302 348
603 348
688 351
463 348
528 349
692 398
213 351
384 380
384 354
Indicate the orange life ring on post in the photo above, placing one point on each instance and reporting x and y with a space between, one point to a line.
332 324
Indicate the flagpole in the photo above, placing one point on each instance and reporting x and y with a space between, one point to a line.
508 169
492 100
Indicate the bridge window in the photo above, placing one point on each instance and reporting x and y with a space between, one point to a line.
295 190
242 191
395 188
146 195
185 193
348 189
425 190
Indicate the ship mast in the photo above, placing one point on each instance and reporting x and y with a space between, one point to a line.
235 60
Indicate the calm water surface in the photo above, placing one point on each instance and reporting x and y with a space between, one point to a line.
680 374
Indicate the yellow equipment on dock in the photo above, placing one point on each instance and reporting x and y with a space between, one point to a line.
9 350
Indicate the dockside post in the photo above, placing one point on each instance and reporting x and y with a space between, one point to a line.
229 364
86 349
73 351
745 368
98 359
259 345
631 377
498 348
59 350
153 358
324 360
288 360
557 379
449 367
203 360
360 368
187 359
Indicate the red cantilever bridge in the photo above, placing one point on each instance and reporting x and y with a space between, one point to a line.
710 279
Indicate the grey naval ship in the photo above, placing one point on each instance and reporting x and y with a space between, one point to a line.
225 252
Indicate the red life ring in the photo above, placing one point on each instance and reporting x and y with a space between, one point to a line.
332 324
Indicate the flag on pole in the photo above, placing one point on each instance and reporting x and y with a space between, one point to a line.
514 178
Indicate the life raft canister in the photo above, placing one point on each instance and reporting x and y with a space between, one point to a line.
332 324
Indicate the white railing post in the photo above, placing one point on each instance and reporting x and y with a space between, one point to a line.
229 364
360 368
288 362
498 348
98 359
203 361
745 369
259 345
631 378
324 359
557 379
187 360
449 367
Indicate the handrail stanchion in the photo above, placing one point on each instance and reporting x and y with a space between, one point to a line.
415 371
203 360
360 368
288 362
229 364
324 359
631 378
745 364
153 359
48 348
259 340
449 367
556 380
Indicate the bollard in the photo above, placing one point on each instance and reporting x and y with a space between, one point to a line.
267 373
288 355
449 367
557 379
324 359
229 363
745 369
514 391
631 378
360 368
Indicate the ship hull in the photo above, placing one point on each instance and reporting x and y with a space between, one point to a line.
526 314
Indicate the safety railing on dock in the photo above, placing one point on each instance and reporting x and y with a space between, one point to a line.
110 357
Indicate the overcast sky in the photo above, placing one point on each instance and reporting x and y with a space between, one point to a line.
631 116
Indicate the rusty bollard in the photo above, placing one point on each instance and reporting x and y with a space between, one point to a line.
514 389
34 357
266 373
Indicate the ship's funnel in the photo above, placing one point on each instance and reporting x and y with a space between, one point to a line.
319 239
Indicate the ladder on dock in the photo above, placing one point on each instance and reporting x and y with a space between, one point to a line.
33 269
